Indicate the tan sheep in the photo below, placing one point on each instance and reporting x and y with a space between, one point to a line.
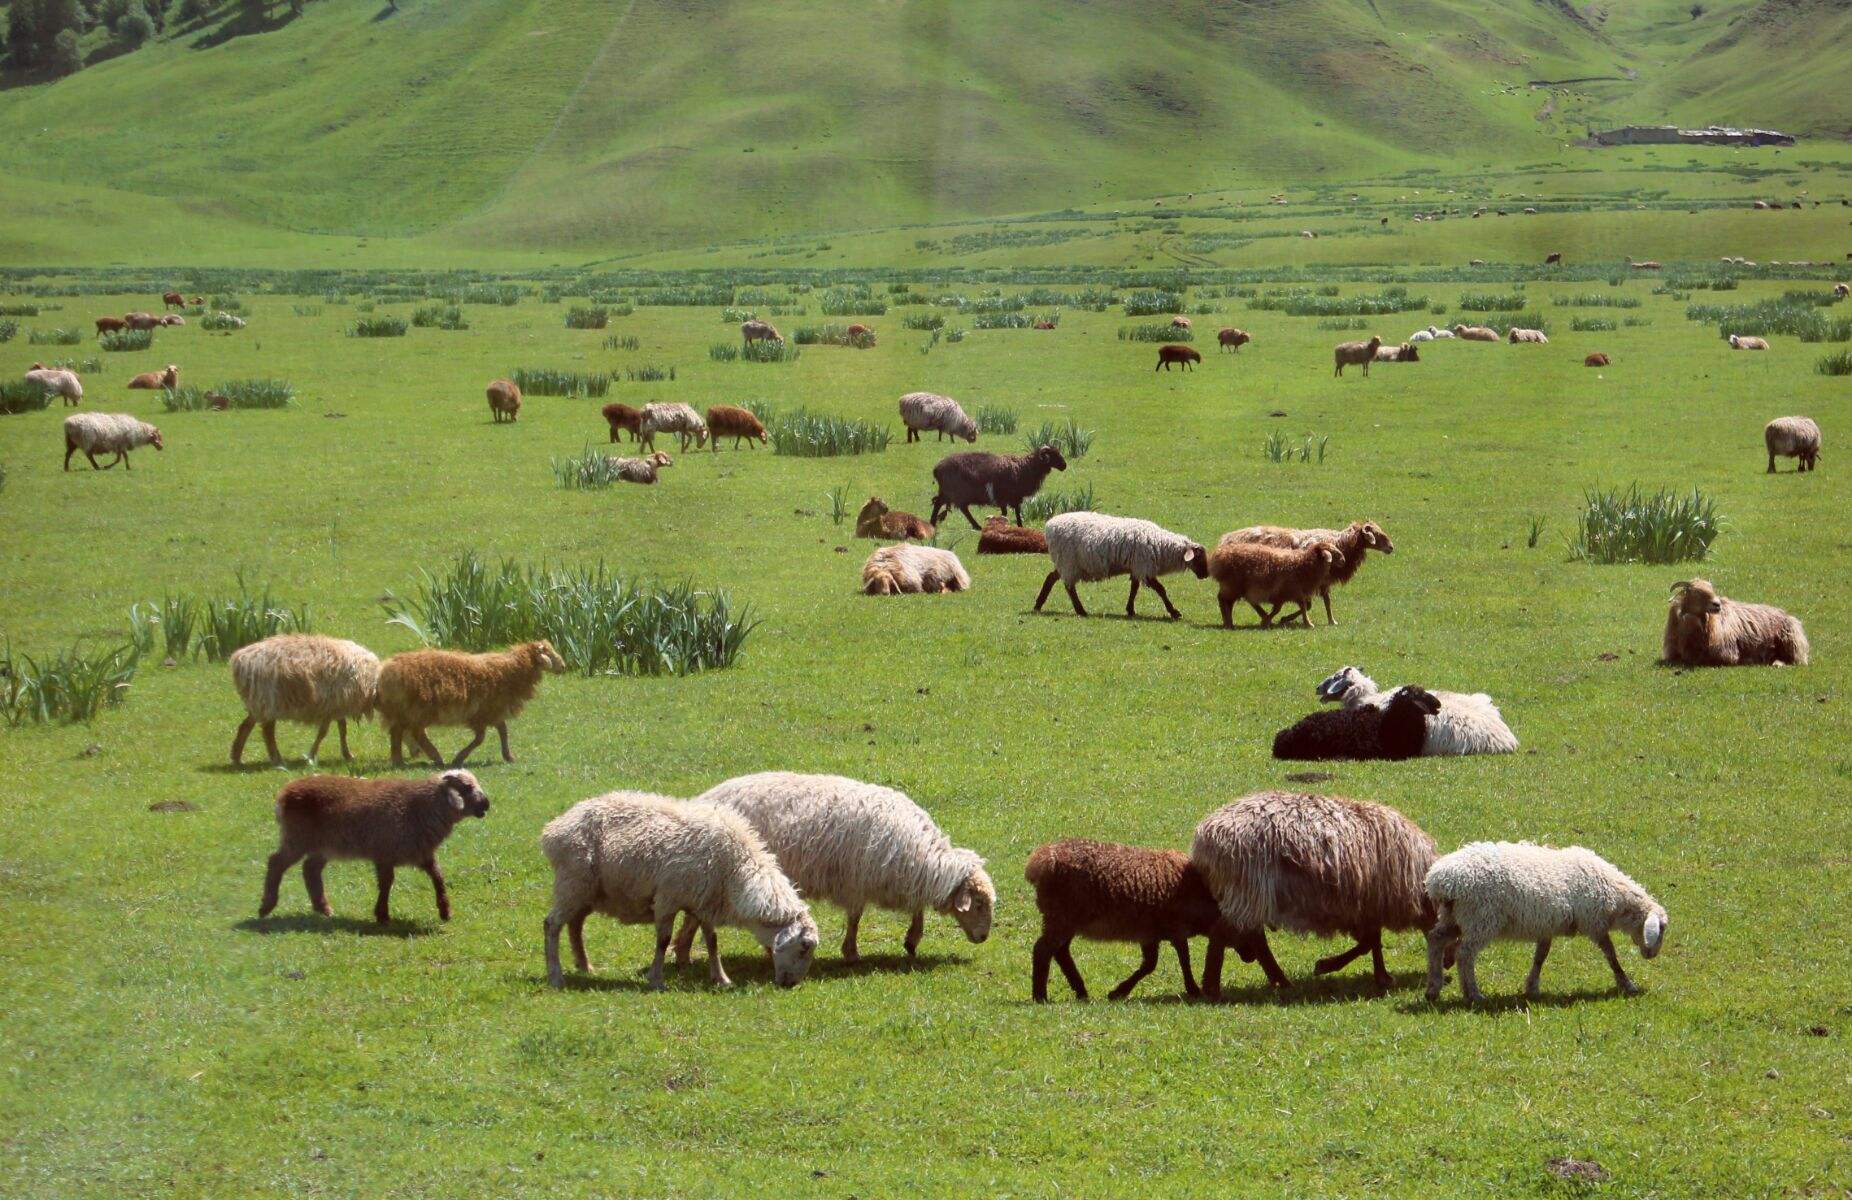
908 569
1748 343
877 520
421 688
1704 629
58 381
640 470
504 400
1354 353
1270 575
302 677
1792 437
1475 333
154 381
1406 352
1531 336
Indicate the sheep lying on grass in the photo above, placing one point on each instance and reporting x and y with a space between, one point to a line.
640 470
877 520
302 677
1536 337
642 859
1272 575
1087 547
1475 333
1704 629
909 570
922 412
1000 537
1792 437
107 433
1397 730
391 822
1406 352
421 688
1466 724
1516 891
1748 343
154 381
980 477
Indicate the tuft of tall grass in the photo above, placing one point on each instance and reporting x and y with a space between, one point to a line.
803 434
439 316
1631 526
851 302
1597 300
994 418
648 373
231 623
623 341
1047 503
769 350
590 468
723 352
587 318
60 337
546 381
378 327
239 393
1070 439
73 685
1152 303
838 497
1592 324
1155 331
22 395
177 619
7 330
1278 448
923 321
128 339
600 622
1834 364
1492 302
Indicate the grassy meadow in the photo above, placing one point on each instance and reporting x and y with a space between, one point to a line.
161 1041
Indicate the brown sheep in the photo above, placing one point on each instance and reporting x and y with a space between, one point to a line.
110 325
1044 325
1000 537
1406 352
198 301
1595 360
1271 575
877 520
1173 353
504 401
980 477
1552 259
392 822
141 320
154 381
1349 354
1792 437
621 417
1352 541
1179 322
1232 339
174 300
759 331
421 688
1475 333
1704 629
860 336
730 420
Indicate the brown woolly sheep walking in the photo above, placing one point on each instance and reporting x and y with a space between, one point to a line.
877 520
421 688
862 337
504 400
1350 354
621 417
392 822
110 325
1792 437
1232 339
1352 541
154 381
728 420
141 320
1704 629
174 300
1271 575
1184 356
1313 864
1000 537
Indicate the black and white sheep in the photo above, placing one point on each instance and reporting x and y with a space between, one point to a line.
1397 730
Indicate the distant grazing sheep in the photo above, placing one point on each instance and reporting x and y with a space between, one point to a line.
907 569
1748 343
1704 629
877 520
1185 356
1232 339
923 411
1406 352
174 300
759 331
1044 325
1595 360
640 470
110 325
141 320
59 382
1552 259
980 477
1000 537
1179 322
730 420
642 859
860 336
1515 891
1475 333
107 433
1531 336
1466 723
1087 547
422 688
1354 353
1792 437
1397 730
1352 542
1272 575
1648 265
1842 290
678 419
154 381
302 677
504 400
621 417
391 822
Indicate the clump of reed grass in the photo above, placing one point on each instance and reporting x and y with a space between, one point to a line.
440 316
548 381
69 337
1069 438
1633 527
1049 503
378 327
587 318
803 434
1155 331
994 418
72 685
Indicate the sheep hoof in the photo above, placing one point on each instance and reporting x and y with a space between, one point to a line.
1630 989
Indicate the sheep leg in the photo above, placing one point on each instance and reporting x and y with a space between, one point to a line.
1182 946
966 509
1627 986
1073 595
1163 595
70 448
1047 947
1266 618
381 912
424 743
1440 939
1771 462
501 729
1337 962
1146 964
312 880
1131 599
398 735
1533 983
122 456
665 931
244 732
916 929
429 866
849 951
270 743
551 926
1048 585
316 745
716 973
1304 614
575 928
481 732
346 754
1469 979
1038 972
280 862
939 510
1384 980
1212 969
1227 604
1263 954
1325 592
684 941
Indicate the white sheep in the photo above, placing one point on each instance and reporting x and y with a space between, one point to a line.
1422 335
1518 891
107 433
1748 343
1466 724
640 470
302 677
923 411
670 418
57 381
907 569
859 844
642 859
1087 547
1440 334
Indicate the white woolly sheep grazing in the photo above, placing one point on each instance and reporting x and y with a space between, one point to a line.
1466 724
58 381
670 418
1792 437
1087 547
302 677
907 569
107 433
923 411
1520 892
859 844
642 859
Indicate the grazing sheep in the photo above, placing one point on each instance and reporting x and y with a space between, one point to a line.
1475 333
1232 339
1648 265
1107 892
1406 352
1477 262
1087 547
640 470
858 844
107 433
173 300
1179 322
1595 360
57 381
1704 629
1352 541
1000 537
1313 864
1516 891
302 677
980 477
421 688
1044 325
877 520
1271 575
110 325
1748 343
922 411
1514 335
154 381
730 420
860 336
1185 356
670 418
1396 730
1466 724
504 400
759 331
1841 290
141 320
391 822
642 859
1552 259
622 416
1792 437
1354 353
907 569
227 322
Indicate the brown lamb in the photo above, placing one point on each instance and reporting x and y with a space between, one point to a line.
1000 537
621 417
1595 360
391 822
1184 356
504 400
1271 575
110 325
877 520
729 420
421 688
154 381
1232 339
1350 354
174 300
1352 541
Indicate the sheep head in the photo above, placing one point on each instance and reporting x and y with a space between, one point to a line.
1408 353
973 904
1375 342
154 438
1696 598
466 795
1652 932
1422 699
1050 457
793 947
548 658
1373 537
660 459
1197 560
1337 686
881 584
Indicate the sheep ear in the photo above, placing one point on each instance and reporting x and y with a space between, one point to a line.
961 899
459 792
1655 929
1190 554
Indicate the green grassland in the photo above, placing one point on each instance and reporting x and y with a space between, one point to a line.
158 1041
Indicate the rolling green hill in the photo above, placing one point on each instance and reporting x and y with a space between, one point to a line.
581 126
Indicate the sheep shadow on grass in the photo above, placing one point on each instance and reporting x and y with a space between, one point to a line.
1312 989
1498 1004
310 922
744 967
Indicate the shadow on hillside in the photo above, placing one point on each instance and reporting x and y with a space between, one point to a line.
387 13
13 77
315 923
243 25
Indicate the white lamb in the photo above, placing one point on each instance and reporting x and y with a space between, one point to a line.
907 569
670 418
923 411
1421 335
1516 891
642 859
858 844
106 433
1087 547
1466 724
